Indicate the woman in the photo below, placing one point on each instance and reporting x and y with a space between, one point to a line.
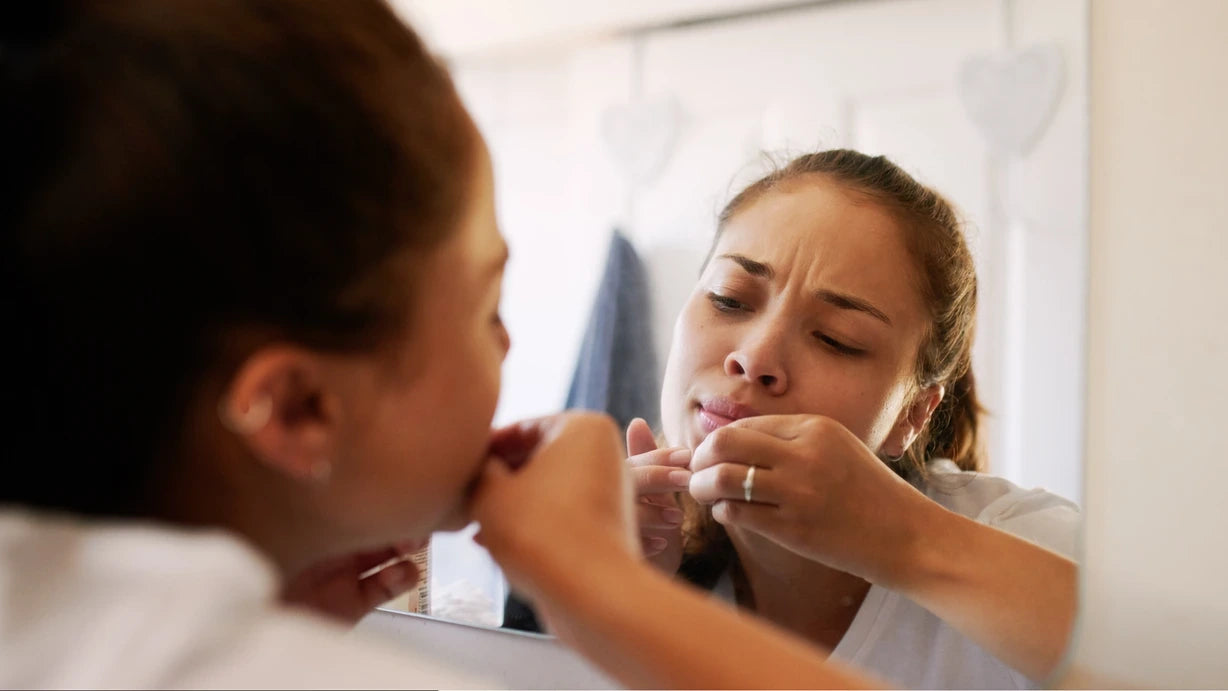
832 327
252 280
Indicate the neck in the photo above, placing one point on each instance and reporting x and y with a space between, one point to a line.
804 596
288 537
216 484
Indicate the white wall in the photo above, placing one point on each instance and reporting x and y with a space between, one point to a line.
1156 570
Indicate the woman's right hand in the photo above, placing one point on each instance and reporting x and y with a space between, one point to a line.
657 475
554 496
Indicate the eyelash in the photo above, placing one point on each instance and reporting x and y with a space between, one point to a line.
837 345
728 305
723 303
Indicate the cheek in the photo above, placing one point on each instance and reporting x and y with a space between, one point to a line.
689 351
856 397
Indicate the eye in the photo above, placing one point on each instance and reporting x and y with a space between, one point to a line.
724 303
837 346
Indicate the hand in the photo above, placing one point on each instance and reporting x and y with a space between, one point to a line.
555 490
336 587
657 475
818 491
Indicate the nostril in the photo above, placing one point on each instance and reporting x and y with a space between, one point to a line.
767 379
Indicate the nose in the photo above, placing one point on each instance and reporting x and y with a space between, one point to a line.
759 358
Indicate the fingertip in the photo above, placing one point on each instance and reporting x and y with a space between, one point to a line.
680 457
639 437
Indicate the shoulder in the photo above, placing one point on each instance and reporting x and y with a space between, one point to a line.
1033 514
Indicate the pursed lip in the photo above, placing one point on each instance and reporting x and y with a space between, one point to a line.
717 411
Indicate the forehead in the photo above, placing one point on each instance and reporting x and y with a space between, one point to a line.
818 235
817 217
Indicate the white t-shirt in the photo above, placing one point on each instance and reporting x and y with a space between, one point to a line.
92 605
903 642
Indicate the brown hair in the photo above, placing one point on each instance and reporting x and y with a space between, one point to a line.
183 171
947 283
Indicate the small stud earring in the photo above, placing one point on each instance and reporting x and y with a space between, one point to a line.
252 420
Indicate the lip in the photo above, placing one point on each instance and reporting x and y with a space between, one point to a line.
718 411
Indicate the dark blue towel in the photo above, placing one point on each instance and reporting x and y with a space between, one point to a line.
616 371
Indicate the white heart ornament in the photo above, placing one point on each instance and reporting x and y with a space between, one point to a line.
640 137
1012 99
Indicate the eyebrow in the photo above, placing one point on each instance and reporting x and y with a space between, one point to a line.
839 300
848 302
752 267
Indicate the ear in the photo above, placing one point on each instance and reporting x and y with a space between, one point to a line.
280 407
913 418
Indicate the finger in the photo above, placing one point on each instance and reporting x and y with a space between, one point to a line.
639 437
679 457
731 444
787 427
659 479
652 546
513 444
758 518
494 475
388 583
651 516
725 482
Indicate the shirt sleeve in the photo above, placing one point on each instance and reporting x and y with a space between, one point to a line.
1039 517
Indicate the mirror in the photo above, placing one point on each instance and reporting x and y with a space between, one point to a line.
647 119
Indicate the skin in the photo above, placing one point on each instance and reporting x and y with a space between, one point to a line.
796 354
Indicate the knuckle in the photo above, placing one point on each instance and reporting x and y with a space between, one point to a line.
729 477
720 440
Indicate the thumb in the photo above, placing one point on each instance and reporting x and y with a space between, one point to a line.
493 476
639 438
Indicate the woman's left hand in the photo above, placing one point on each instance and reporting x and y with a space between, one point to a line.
338 589
817 490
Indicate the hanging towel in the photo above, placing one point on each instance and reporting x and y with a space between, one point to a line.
616 371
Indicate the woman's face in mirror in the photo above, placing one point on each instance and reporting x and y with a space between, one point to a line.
808 305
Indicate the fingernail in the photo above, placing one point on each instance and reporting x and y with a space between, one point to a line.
680 478
672 516
656 543
680 457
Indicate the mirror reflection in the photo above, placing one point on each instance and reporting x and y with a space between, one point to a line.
872 213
